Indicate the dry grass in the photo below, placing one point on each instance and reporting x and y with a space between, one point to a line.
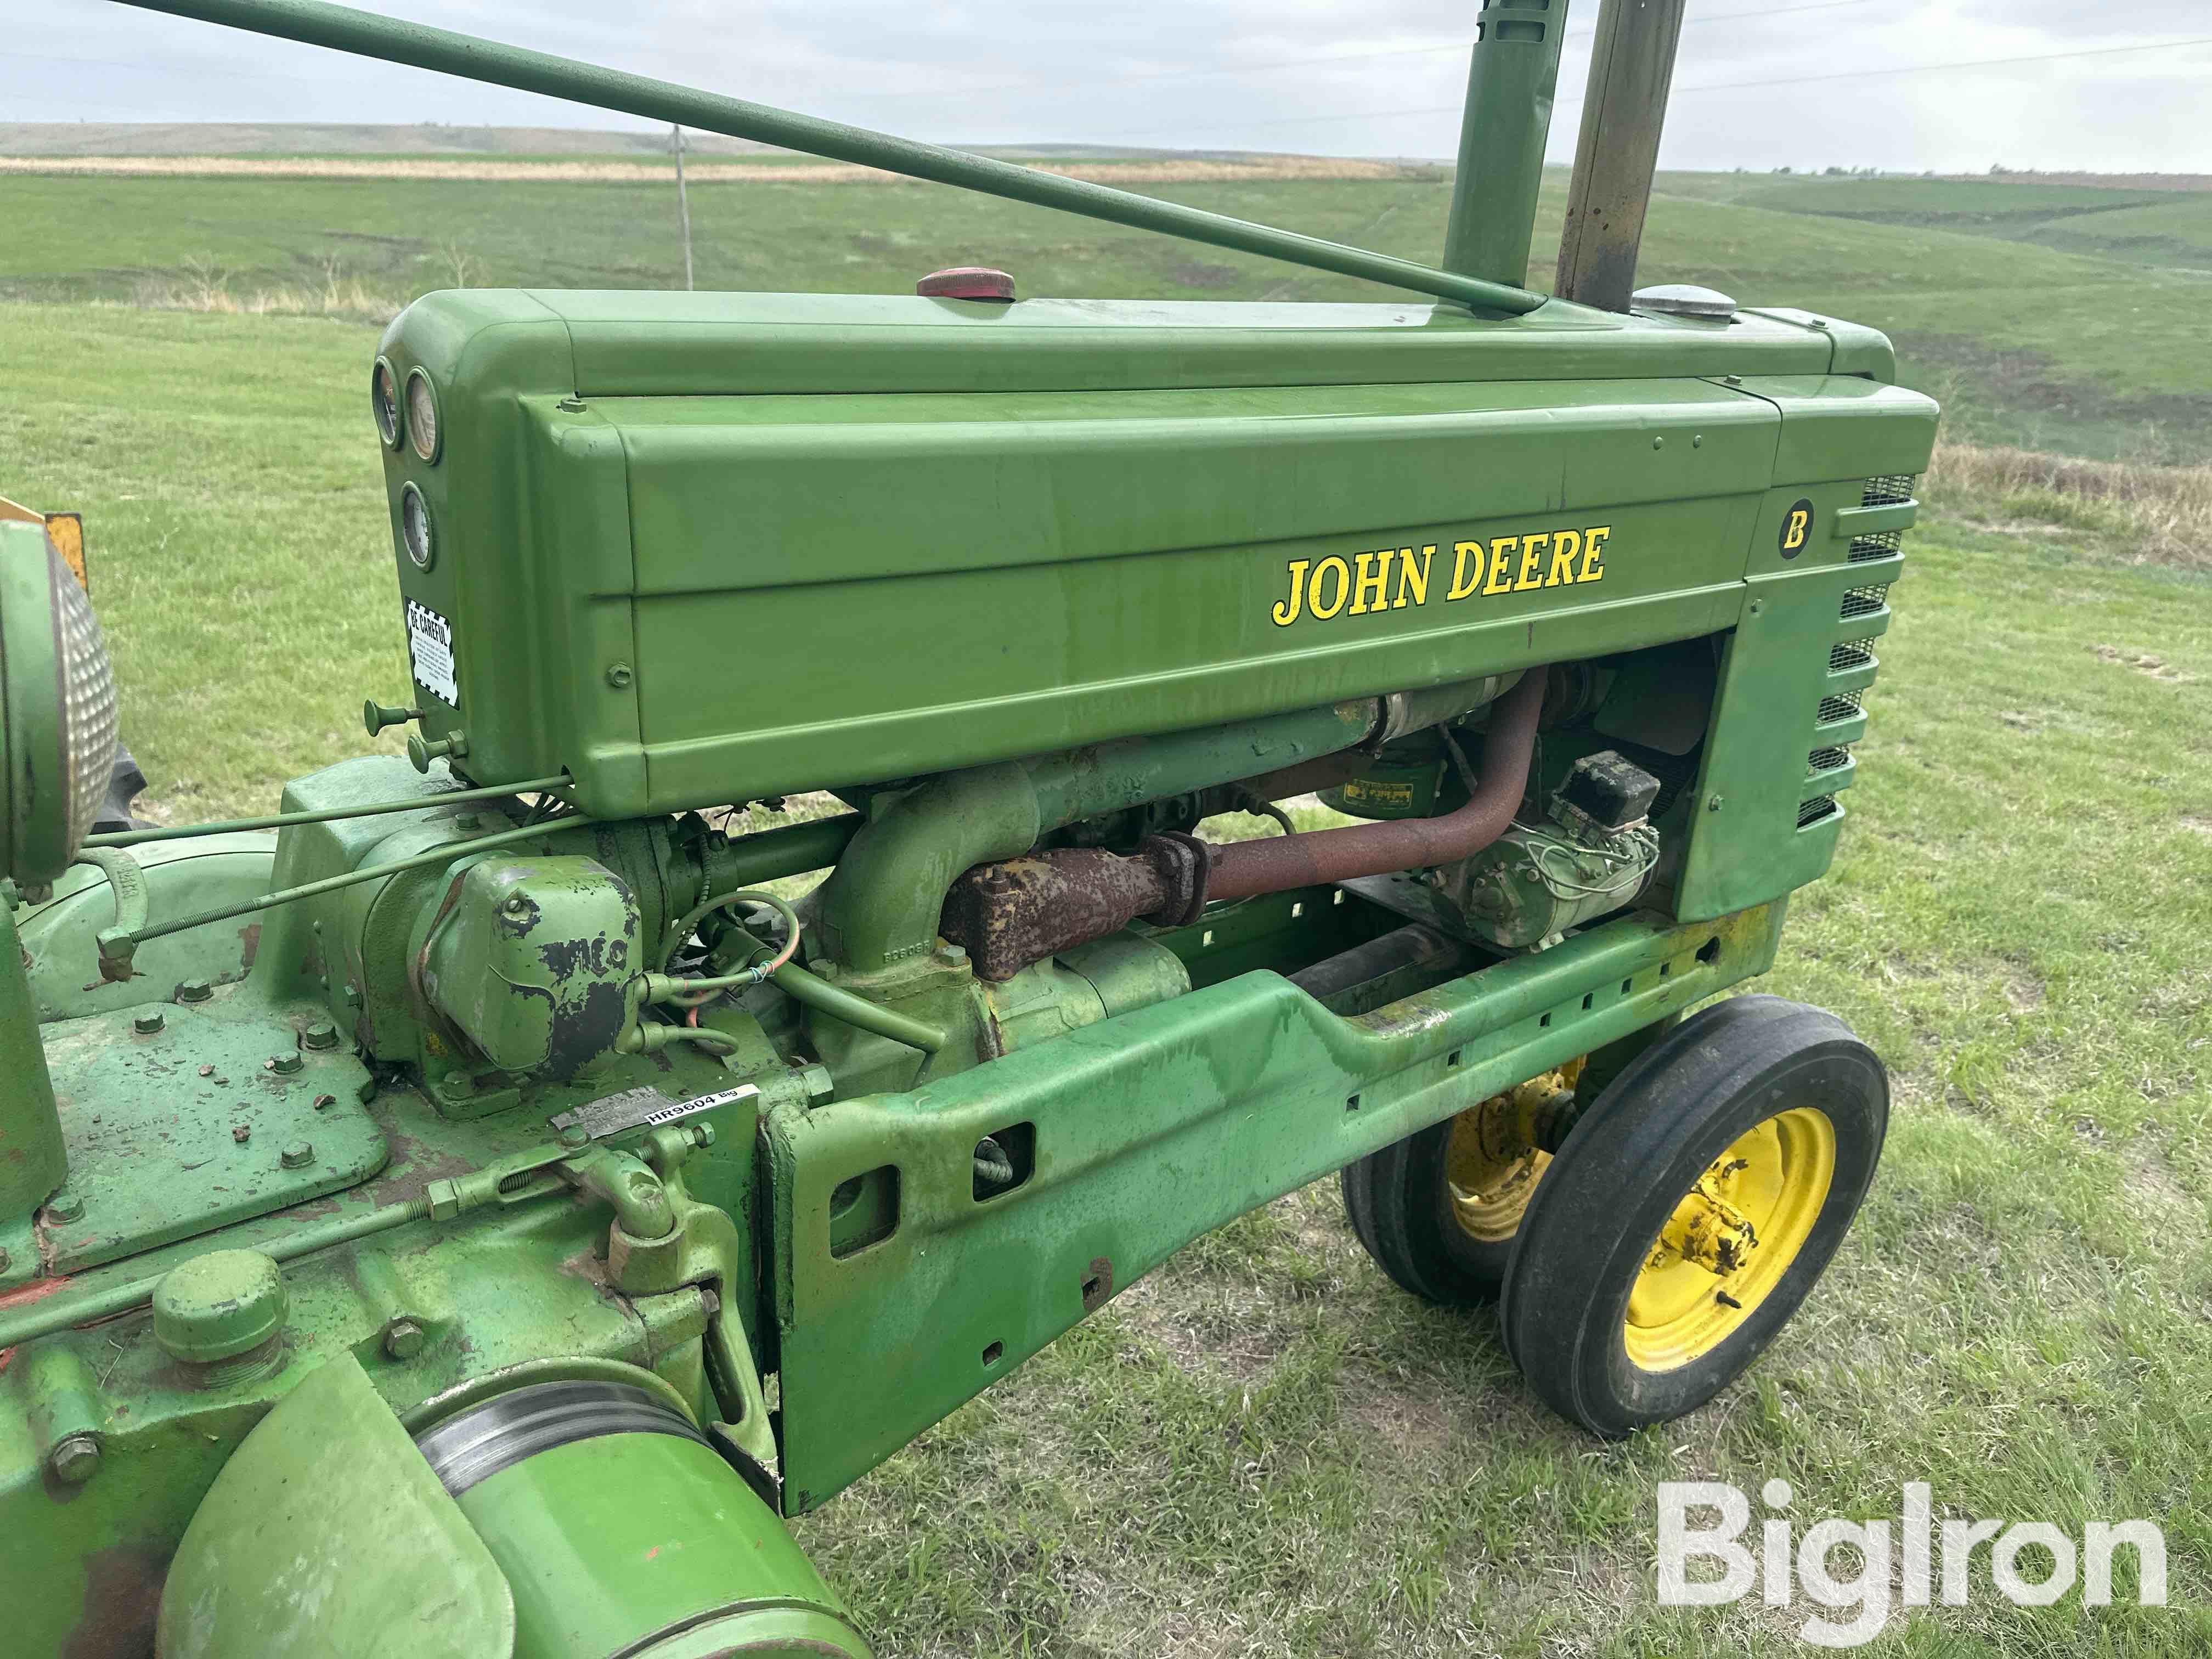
203 285
2154 514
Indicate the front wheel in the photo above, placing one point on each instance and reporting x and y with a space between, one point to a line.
1691 1211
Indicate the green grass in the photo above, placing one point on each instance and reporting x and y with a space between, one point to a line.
1267 1450
2038 313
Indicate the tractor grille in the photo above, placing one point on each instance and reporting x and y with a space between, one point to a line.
1865 600
1885 491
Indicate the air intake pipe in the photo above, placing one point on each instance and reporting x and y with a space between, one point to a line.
1012 912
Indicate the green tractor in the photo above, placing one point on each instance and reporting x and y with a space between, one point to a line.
464 1213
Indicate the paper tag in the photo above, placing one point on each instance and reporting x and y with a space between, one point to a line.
632 1109
430 652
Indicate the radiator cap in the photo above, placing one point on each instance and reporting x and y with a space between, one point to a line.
967 282
1682 299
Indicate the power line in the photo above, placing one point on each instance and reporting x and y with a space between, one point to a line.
1711 86
1036 79
1349 57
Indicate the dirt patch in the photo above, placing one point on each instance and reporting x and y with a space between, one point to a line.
2198 826
2144 662
697 173
2024 992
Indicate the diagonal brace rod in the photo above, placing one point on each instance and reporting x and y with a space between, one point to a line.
344 29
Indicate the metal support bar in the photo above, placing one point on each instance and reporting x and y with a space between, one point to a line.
1510 83
1619 149
286 820
345 29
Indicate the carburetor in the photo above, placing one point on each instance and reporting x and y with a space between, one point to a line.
1594 853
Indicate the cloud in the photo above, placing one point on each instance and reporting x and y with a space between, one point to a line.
1794 83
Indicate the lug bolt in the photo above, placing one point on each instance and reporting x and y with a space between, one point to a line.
195 990
283 1065
297 1155
147 1023
403 1338
76 1460
65 1207
321 1034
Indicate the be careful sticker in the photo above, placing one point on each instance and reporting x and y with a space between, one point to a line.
430 652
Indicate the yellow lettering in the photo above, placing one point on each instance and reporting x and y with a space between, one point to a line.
1793 535
1466 575
1337 567
1501 561
1413 577
1565 543
1532 548
1286 610
1371 582
1593 550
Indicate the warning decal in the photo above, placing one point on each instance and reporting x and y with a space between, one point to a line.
430 652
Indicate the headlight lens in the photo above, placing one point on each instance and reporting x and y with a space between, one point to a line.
423 414
384 403
57 714
90 720
415 527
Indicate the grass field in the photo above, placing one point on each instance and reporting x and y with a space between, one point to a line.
1266 1449
2049 317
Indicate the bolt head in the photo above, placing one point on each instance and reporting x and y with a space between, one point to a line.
952 954
76 1460
240 1132
65 1206
321 1034
575 1135
619 676
194 990
298 1155
517 906
147 1022
404 1338
1713 803
284 1065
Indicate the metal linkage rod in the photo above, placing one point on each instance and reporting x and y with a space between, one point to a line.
345 29
285 820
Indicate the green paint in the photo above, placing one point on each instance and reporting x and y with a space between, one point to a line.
400 1569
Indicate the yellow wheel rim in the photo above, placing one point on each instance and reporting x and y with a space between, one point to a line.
1731 1239
1491 1169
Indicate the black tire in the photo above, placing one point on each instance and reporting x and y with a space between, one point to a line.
1399 1206
1593 1221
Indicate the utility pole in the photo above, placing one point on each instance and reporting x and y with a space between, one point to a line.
682 201
1631 70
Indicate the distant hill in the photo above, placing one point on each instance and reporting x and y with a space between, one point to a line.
76 138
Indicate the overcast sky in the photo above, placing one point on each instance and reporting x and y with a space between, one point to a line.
1757 85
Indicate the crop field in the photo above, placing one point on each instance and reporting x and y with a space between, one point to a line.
1266 1449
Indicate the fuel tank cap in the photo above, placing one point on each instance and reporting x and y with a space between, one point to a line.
1682 299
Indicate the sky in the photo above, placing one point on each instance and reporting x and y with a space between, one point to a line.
1900 85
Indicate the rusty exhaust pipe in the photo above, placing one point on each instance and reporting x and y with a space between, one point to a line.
1017 911
1244 868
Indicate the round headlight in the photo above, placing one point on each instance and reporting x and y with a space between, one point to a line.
384 403
59 720
415 526
423 414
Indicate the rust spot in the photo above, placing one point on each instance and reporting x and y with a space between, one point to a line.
122 1594
249 943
